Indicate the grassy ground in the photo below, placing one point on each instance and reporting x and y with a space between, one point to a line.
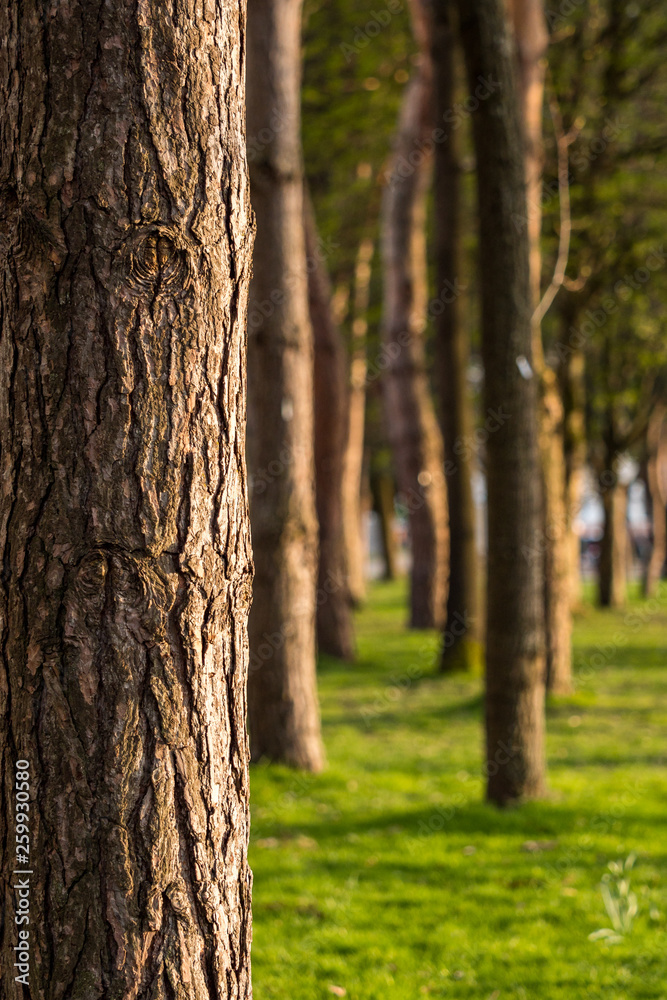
388 878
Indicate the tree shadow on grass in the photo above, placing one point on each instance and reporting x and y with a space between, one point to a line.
383 711
609 656
538 845
536 820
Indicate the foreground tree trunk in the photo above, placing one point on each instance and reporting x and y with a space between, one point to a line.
335 630
462 647
283 713
553 543
656 435
515 655
353 530
125 256
412 427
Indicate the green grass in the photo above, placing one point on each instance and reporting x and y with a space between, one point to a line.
387 875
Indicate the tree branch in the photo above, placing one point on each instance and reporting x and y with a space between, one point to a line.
563 142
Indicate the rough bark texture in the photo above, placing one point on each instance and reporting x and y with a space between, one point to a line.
412 427
656 440
335 629
464 626
614 546
515 656
353 529
125 254
531 41
283 712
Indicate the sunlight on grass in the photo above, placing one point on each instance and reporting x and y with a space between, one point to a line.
388 877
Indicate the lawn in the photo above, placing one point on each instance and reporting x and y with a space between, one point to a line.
388 878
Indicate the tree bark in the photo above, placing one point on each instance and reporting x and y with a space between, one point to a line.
335 629
557 545
125 256
412 426
532 41
614 547
463 623
574 400
515 654
657 486
283 711
353 531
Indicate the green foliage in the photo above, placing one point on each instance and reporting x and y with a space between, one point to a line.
387 876
352 89
608 69
357 59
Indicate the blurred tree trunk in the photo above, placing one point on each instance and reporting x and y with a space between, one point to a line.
335 630
532 40
614 546
452 357
656 440
557 544
515 653
283 711
382 488
573 382
412 426
125 252
353 531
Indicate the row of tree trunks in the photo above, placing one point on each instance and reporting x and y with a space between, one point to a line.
552 543
656 440
335 630
515 642
125 256
283 712
353 464
412 427
463 625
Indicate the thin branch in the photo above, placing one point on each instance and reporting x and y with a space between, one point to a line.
575 284
563 142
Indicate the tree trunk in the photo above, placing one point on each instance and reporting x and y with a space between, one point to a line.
353 533
382 487
557 545
412 427
462 650
574 400
125 253
657 486
283 712
532 40
515 655
335 630
614 547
